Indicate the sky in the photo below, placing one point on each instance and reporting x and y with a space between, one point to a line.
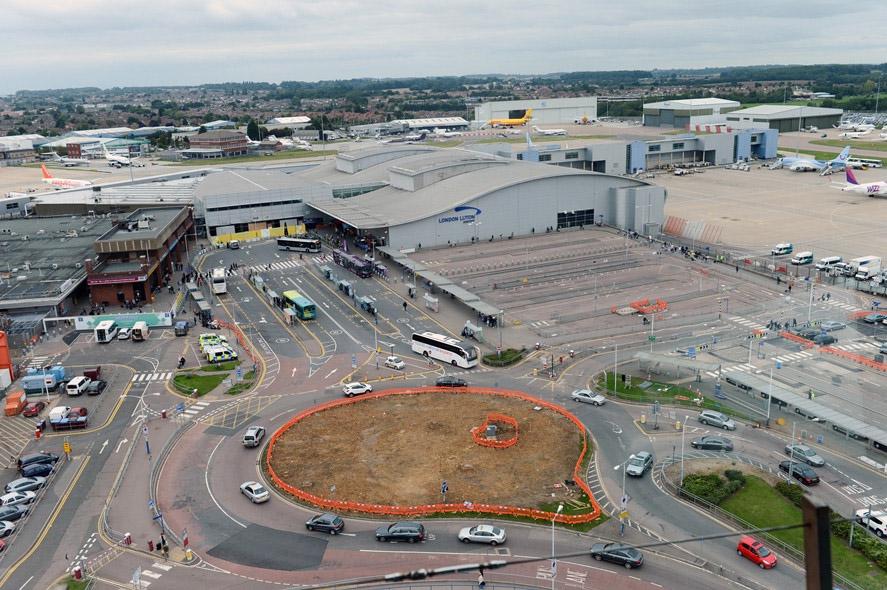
105 43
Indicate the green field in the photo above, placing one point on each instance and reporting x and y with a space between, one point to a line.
761 505
187 382
875 146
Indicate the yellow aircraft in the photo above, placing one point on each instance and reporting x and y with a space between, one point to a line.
512 122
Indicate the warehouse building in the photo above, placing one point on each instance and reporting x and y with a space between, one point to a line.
417 196
785 117
406 125
289 122
548 111
684 113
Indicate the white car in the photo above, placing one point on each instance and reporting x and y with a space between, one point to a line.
589 397
256 492
356 388
394 362
123 334
482 533
14 498
6 528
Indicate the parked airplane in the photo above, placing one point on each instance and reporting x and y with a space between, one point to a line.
807 164
871 189
120 161
409 137
855 126
550 131
446 133
511 122
59 183
68 162
855 134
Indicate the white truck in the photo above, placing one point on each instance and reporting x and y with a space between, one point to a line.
865 267
219 285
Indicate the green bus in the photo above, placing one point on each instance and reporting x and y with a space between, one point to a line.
302 306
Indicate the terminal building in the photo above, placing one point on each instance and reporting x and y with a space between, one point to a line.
547 111
688 112
785 117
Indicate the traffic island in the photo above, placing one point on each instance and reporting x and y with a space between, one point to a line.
414 452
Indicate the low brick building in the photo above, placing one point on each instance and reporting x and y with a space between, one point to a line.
220 143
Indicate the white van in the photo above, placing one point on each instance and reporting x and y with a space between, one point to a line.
828 262
218 354
139 331
77 385
803 258
782 249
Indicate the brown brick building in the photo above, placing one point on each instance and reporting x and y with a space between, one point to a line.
221 143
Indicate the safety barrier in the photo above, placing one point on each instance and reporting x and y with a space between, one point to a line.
858 315
241 339
450 508
795 338
644 306
855 357
477 433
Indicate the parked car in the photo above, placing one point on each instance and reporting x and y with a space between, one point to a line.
96 387
447 381
805 454
832 325
482 533
807 333
616 553
824 339
255 491
638 464
25 484
717 419
6 529
876 520
327 522
35 458
123 334
33 409
874 318
16 498
253 436
13 513
589 397
78 411
356 388
802 473
712 443
753 550
410 532
37 470
393 362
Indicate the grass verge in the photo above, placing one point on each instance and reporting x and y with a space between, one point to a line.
188 382
664 393
72 584
225 366
761 505
239 388
509 356
859 145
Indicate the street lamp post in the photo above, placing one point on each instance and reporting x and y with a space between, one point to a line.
560 508
683 430
615 364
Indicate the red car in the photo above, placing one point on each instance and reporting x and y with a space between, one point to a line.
33 409
753 550
78 412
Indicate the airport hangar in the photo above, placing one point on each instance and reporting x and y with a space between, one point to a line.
683 113
548 111
785 117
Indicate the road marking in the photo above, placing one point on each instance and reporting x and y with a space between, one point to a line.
206 480
328 375
28 581
104 444
161 566
120 444
151 574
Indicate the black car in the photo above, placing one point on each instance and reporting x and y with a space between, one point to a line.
824 339
13 513
330 523
410 532
37 470
712 443
36 458
808 333
800 472
96 387
451 382
616 553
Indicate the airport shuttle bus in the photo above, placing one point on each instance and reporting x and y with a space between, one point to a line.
302 306
863 163
219 285
106 331
359 266
311 245
443 348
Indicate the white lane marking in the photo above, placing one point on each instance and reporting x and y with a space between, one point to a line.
328 375
206 480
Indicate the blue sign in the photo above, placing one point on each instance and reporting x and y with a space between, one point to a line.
778 364
150 503
718 393
691 352
239 372
464 214
159 516
876 303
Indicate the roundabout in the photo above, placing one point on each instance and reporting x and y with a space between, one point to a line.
500 452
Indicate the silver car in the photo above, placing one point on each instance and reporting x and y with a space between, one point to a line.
638 464
589 397
717 419
805 454
255 491
832 325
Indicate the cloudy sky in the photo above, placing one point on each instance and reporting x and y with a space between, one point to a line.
66 43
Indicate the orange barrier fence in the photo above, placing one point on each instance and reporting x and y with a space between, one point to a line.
241 339
856 358
644 306
425 509
856 315
477 433
795 338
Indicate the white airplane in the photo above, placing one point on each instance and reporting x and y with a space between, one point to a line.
120 161
807 164
870 189
60 183
446 133
856 126
68 162
549 131
855 134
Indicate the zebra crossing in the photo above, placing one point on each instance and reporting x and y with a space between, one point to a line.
795 356
146 377
541 324
38 362
857 346
140 574
746 323
195 408
281 265
743 368
842 305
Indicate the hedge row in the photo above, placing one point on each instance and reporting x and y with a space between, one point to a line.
509 356
712 487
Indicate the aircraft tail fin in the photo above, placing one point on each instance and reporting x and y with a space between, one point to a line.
46 173
842 157
851 178
528 115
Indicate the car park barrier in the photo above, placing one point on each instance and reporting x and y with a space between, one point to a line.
438 508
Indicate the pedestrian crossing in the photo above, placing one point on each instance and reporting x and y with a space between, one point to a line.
541 324
795 356
146 377
38 362
842 305
281 265
141 574
746 323
195 409
857 346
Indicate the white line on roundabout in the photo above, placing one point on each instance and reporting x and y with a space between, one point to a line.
206 479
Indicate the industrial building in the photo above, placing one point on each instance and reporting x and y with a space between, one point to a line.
92 147
289 122
785 117
684 113
15 151
406 125
548 111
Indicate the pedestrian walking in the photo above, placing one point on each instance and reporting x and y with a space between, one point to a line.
481 582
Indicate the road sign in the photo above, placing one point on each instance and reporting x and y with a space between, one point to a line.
353 361
159 516
150 503
67 447
718 393
180 407
691 352
444 487
876 303
239 373
651 338
778 364
623 515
